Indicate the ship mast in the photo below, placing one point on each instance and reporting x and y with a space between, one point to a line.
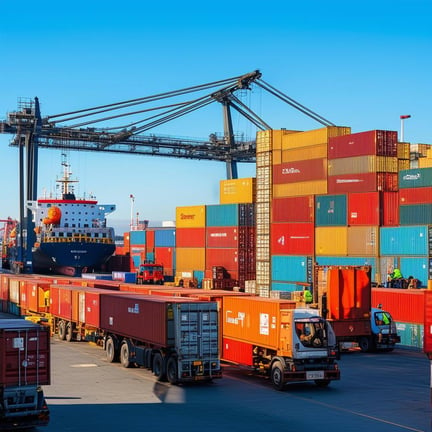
66 188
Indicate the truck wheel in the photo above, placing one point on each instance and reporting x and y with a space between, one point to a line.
172 370
159 367
124 355
365 344
277 376
69 332
62 330
322 382
110 350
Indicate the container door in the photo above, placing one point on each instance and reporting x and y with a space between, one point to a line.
81 307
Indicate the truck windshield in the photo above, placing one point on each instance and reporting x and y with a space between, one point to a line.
382 318
151 268
311 333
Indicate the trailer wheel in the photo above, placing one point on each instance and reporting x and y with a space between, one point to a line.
62 330
365 344
322 382
172 370
110 350
277 375
69 332
159 367
148 358
124 355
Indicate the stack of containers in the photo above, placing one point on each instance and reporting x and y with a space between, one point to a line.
163 250
230 241
421 155
299 172
190 241
137 248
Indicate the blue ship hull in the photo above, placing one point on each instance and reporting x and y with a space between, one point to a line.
72 258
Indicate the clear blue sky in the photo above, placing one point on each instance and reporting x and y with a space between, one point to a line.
358 64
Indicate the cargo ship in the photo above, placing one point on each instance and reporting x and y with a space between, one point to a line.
71 233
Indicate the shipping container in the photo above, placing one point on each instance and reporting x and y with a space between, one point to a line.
415 214
223 257
220 215
331 240
188 259
191 237
290 268
415 195
150 239
312 137
418 177
165 237
363 240
235 191
331 210
191 217
137 237
300 171
390 209
375 142
165 257
406 241
404 305
419 268
362 164
24 353
428 322
318 151
365 182
293 209
364 208
412 335
292 239
222 237
315 187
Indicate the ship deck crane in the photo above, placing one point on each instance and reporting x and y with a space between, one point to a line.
32 131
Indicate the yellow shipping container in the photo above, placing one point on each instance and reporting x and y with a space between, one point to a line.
264 141
362 164
425 163
312 137
403 164
318 151
363 241
331 240
191 217
316 187
190 258
277 157
403 150
237 191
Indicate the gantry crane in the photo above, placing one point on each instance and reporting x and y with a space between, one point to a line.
32 131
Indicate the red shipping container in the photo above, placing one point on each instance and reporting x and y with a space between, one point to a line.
300 171
293 209
190 237
292 239
222 237
150 239
364 182
4 287
404 305
390 209
24 353
165 257
224 257
419 195
237 351
427 344
375 142
61 301
364 208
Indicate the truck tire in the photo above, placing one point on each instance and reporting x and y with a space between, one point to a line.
365 344
69 332
111 354
124 355
277 376
148 358
159 367
172 370
62 330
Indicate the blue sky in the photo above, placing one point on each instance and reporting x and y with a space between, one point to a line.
358 64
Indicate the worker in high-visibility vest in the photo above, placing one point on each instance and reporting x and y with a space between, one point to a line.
307 296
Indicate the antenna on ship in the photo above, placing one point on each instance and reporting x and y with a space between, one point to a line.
132 198
67 189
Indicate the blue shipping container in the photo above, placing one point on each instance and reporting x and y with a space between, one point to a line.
137 237
222 215
331 210
283 286
349 261
406 240
411 335
165 237
418 267
291 268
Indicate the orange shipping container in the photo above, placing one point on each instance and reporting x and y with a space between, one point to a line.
188 259
362 164
313 137
255 320
316 187
191 217
331 240
318 151
363 241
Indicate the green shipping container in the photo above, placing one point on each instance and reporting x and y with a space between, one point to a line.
417 177
415 214
331 210
411 335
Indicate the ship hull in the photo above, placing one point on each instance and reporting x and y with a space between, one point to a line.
72 258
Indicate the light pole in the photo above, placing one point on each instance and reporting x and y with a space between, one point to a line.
402 119
132 198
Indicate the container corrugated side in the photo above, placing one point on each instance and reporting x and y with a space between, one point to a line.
312 137
301 188
362 164
390 208
418 267
188 259
404 305
331 240
300 171
165 237
225 257
418 177
331 210
363 240
411 335
428 321
406 240
415 214
364 208
363 182
222 237
219 215
191 217
293 209
416 195
137 237
191 237
291 268
292 238
237 191
318 151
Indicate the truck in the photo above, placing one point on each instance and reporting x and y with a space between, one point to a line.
274 338
344 298
150 273
24 369
176 338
